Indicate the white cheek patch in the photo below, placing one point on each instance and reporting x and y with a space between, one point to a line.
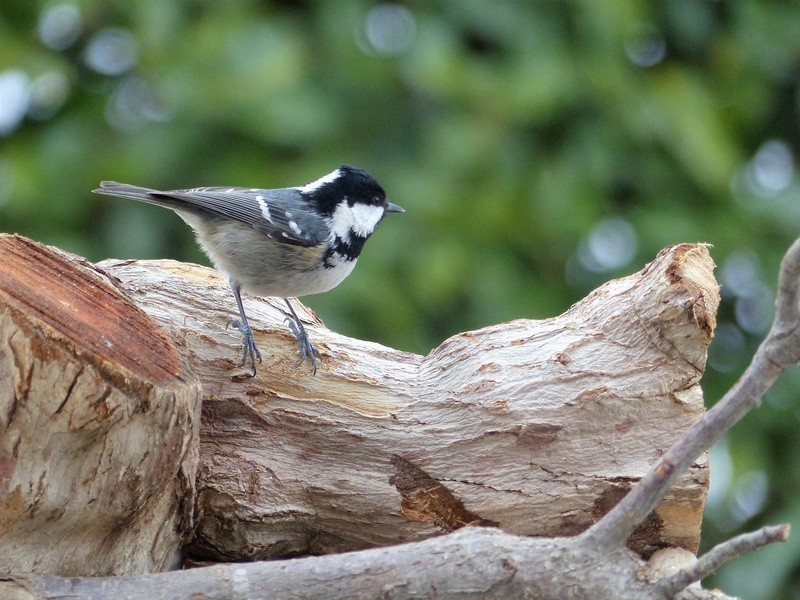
318 183
361 219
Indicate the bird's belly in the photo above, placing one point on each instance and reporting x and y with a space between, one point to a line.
272 269
296 283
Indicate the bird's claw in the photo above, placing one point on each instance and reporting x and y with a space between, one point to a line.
249 347
307 350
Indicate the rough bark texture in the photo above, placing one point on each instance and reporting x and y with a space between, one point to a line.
537 427
98 423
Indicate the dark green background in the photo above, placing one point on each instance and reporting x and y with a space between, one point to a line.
539 148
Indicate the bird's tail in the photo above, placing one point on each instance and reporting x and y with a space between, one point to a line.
142 194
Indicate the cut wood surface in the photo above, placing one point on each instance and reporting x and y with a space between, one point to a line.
537 427
98 423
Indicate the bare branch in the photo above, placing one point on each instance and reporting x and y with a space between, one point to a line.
780 349
473 562
720 554
788 309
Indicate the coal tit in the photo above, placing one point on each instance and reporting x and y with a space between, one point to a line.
283 242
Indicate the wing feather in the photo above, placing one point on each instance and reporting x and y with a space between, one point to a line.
282 214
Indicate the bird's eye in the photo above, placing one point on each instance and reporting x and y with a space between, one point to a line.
376 200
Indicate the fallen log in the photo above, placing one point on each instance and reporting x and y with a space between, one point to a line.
535 427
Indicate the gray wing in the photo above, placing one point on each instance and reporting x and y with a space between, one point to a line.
282 214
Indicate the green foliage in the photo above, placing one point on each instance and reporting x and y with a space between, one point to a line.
539 148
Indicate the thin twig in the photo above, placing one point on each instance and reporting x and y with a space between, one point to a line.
780 349
719 555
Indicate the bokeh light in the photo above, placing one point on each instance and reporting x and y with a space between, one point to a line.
48 93
645 45
389 29
112 51
133 104
729 350
60 25
15 94
771 171
611 244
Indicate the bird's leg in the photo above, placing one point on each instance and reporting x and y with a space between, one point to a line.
303 341
248 341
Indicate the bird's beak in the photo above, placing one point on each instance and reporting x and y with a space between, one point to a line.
393 208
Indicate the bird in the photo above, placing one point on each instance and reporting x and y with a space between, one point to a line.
283 242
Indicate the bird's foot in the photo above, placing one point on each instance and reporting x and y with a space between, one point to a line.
307 350
249 347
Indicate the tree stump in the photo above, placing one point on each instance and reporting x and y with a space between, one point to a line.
99 418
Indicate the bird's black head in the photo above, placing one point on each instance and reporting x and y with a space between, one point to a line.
354 204
356 185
